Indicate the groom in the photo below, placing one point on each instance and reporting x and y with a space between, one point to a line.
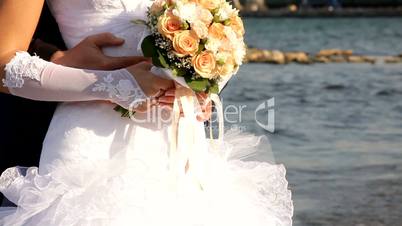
24 123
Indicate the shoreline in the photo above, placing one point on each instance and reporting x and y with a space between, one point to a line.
325 12
324 56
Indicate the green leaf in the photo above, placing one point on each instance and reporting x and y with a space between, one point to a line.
159 60
148 46
201 47
198 85
214 88
227 22
162 59
214 11
220 62
216 19
139 22
180 72
185 26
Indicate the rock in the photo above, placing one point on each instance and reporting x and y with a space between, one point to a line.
254 55
256 5
355 59
237 4
347 52
257 55
321 59
393 60
277 57
360 59
334 52
371 60
292 8
324 56
266 54
338 59
298 57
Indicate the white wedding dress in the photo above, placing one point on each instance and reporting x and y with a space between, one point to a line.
98 169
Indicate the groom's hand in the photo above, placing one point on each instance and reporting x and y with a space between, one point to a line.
88 54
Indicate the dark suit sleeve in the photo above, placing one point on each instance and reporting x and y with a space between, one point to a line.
48 30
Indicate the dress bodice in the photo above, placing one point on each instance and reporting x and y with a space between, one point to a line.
78 19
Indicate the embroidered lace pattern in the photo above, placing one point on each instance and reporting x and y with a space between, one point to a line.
123 90
23 66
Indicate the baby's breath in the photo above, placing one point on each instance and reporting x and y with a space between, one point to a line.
162 42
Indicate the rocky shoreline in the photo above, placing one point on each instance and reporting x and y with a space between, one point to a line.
255 55
324 12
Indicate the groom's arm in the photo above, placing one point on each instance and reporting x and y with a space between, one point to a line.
87 54
49 45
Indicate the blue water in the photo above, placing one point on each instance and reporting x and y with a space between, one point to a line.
375 36
338 126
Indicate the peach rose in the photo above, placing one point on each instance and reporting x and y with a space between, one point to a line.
204 64
237 25
157 6
226 45
205 16
216 31
225 66
200 29
170 2
185 43
209 4
168 24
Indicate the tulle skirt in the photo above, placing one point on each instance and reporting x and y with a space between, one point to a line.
127 191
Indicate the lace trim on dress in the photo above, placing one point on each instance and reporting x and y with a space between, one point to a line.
23 66
8 177
123 90
106 4
272 188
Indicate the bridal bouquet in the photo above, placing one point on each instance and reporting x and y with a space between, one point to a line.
200 42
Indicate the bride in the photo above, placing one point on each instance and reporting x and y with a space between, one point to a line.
100 169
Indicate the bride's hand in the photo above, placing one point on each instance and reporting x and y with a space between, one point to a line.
206 105
152 85
88 54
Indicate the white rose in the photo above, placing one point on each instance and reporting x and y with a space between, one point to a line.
226 11
186 11
222 56
213 45
239 52
204 15
230 34
200 29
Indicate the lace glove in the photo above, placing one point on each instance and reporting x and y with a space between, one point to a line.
33 78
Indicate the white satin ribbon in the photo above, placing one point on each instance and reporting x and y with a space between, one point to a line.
185 149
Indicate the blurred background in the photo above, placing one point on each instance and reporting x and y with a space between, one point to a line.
335 70
257 7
